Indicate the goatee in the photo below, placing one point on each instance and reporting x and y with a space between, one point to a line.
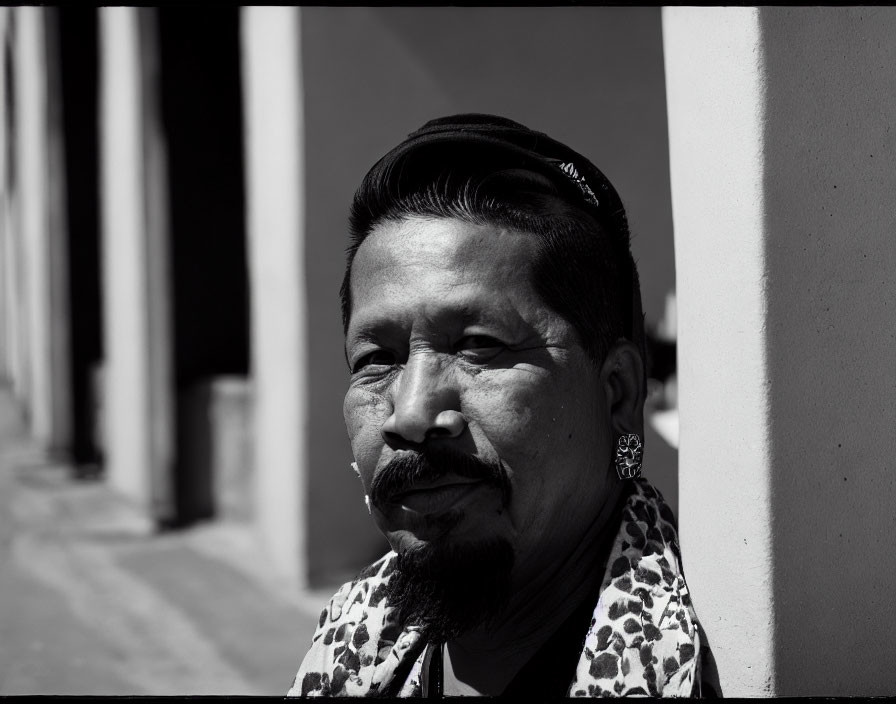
444 586
448 590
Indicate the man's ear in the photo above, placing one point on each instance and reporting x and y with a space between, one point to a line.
622 378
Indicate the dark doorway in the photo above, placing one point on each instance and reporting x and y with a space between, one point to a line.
202 117
78 79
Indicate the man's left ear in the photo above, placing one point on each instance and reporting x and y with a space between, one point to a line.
622 378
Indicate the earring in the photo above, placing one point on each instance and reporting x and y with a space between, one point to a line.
354 466
628 456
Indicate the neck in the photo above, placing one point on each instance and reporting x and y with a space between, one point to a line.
487 659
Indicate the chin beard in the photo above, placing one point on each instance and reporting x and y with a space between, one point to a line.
448 590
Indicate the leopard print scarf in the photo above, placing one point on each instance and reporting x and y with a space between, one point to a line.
644 637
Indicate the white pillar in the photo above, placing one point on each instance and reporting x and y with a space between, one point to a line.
42 230
13 267
6 331
138 409
781 146
715 107
61 408
272 88
30 216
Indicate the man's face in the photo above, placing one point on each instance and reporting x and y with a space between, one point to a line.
452 349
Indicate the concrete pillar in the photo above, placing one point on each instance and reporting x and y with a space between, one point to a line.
42 225
15 337
782 191
6 332
59 438
14 266
138 384
713 89
275 185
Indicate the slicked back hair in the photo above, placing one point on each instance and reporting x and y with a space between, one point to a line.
580 271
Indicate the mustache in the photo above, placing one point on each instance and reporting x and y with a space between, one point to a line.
404 471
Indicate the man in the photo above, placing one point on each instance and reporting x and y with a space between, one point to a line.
495 339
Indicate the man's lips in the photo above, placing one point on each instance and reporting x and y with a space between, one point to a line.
438 496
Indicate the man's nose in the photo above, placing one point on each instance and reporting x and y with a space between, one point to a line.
425 404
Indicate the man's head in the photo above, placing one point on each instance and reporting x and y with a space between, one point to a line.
489 307
483 168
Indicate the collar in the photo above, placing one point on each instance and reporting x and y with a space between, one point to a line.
644 636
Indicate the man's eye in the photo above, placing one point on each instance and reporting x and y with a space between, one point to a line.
479 348
375 358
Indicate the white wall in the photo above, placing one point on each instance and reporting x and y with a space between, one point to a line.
830 217
782 188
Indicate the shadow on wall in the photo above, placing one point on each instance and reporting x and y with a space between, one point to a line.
202 116
591 77
831 102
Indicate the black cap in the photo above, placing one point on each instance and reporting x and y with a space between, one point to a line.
478 138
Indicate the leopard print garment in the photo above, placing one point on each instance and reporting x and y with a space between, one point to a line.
644 637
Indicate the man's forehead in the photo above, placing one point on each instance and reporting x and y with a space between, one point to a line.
443 271
452 243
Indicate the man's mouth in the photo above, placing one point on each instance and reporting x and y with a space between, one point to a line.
436 497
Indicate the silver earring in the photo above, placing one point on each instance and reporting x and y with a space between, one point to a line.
354 466
629 452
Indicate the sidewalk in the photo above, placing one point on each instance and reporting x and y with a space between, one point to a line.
93 601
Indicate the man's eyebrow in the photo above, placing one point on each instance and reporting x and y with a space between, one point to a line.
368 333
503 317
355 338
372 330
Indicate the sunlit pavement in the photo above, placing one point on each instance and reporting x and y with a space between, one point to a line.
94 601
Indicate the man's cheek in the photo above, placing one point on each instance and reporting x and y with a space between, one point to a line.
505 417
365 412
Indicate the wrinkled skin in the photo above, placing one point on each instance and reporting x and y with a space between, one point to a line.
451 345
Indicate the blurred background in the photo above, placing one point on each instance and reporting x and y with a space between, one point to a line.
177 502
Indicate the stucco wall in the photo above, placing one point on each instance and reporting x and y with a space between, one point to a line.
830 220
782 181
592 77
